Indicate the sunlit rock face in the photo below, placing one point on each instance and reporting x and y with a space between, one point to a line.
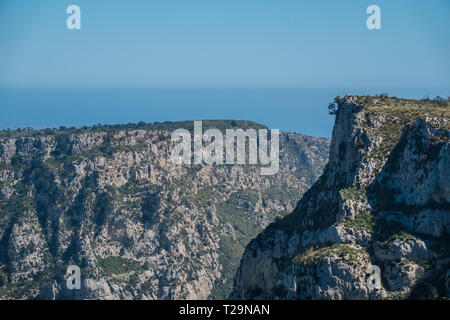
382 201
109 200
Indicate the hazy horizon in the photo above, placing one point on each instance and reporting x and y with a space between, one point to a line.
275 62
288 109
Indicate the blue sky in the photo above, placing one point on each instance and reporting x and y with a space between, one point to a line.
225 43
321 44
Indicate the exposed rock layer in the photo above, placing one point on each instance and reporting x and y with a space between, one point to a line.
383 201
109 200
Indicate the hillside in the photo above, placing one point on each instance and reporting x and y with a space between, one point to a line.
109 200
382 202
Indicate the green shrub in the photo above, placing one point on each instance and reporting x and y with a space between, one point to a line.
114 265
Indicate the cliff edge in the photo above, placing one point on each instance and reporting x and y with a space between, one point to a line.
381 210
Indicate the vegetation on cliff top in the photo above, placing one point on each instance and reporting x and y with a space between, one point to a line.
160 126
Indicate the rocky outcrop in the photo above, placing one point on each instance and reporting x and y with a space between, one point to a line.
381 210
109 200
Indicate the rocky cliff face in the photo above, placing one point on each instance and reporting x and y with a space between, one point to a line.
109 200
381 207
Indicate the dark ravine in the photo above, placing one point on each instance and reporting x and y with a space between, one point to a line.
109 200
383 200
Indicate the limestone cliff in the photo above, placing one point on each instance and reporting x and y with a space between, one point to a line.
109 200
383 202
